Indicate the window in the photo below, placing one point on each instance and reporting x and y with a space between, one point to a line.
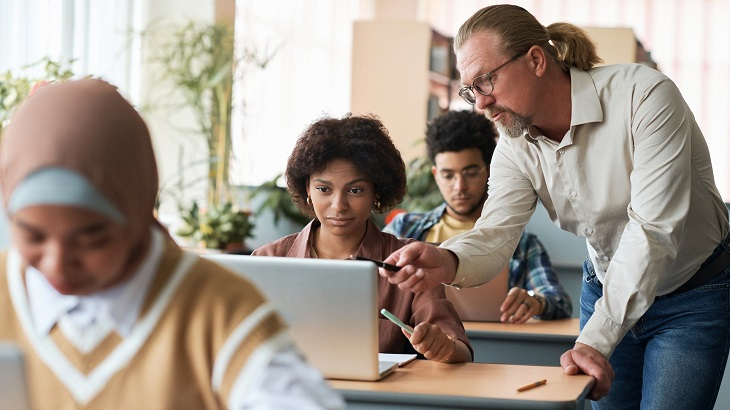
94 34
308 76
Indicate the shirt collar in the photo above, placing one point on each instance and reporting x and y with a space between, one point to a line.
302 245
121 303
585 104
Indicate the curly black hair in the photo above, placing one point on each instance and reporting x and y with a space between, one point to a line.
360 140
454 131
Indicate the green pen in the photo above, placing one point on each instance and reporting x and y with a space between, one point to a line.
397 321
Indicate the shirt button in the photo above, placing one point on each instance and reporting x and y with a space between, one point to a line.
573 194
589 231
561 152
605 258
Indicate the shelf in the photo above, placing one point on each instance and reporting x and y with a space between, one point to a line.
619 45
405 103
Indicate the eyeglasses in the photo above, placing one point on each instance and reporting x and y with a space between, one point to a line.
484 84
470 175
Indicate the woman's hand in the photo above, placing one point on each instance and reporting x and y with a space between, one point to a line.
430 341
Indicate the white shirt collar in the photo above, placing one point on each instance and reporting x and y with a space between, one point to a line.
121 303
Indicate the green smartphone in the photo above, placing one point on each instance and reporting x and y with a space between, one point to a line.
397 321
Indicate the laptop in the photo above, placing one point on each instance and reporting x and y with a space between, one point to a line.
331 307
480 304
13 387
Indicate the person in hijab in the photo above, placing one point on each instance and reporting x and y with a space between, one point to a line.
108 311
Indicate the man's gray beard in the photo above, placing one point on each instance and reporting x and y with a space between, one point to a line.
516 128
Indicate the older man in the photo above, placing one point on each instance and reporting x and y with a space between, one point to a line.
615 155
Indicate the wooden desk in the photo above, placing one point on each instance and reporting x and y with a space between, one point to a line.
427 384
535 343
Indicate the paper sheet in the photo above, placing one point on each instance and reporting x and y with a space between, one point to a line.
401 359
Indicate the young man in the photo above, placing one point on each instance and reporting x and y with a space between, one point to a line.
616 156
460 144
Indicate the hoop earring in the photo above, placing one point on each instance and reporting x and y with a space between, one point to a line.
309 200
376 205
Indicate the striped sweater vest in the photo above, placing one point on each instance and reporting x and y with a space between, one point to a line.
203 334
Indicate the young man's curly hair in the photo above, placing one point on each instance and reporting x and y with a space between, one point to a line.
454 131
360 140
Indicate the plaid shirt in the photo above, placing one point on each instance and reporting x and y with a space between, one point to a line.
529 267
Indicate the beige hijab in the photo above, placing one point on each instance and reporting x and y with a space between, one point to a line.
87 127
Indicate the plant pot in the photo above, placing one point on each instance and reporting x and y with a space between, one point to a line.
237 249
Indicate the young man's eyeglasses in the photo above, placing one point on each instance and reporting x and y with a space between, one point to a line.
483 84
470 174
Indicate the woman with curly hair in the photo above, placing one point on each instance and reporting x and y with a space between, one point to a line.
339 172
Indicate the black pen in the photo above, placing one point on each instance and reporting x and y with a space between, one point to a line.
379 263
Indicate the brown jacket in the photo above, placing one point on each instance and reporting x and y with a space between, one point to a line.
413 308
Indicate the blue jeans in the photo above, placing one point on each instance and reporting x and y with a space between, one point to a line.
674 356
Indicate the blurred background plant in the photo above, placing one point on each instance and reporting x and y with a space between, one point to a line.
222 227
200 62
423 193
278 201
15 86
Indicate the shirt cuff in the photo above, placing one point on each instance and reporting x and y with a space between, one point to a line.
601 334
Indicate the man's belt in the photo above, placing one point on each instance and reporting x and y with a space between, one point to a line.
710 268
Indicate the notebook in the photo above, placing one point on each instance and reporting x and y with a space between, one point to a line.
480 304
330 305
13 387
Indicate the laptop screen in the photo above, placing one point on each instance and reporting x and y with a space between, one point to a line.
330 305
13 386
481 304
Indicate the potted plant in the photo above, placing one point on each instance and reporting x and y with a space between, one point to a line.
224 228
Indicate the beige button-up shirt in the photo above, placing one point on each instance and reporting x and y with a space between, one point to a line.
632 176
